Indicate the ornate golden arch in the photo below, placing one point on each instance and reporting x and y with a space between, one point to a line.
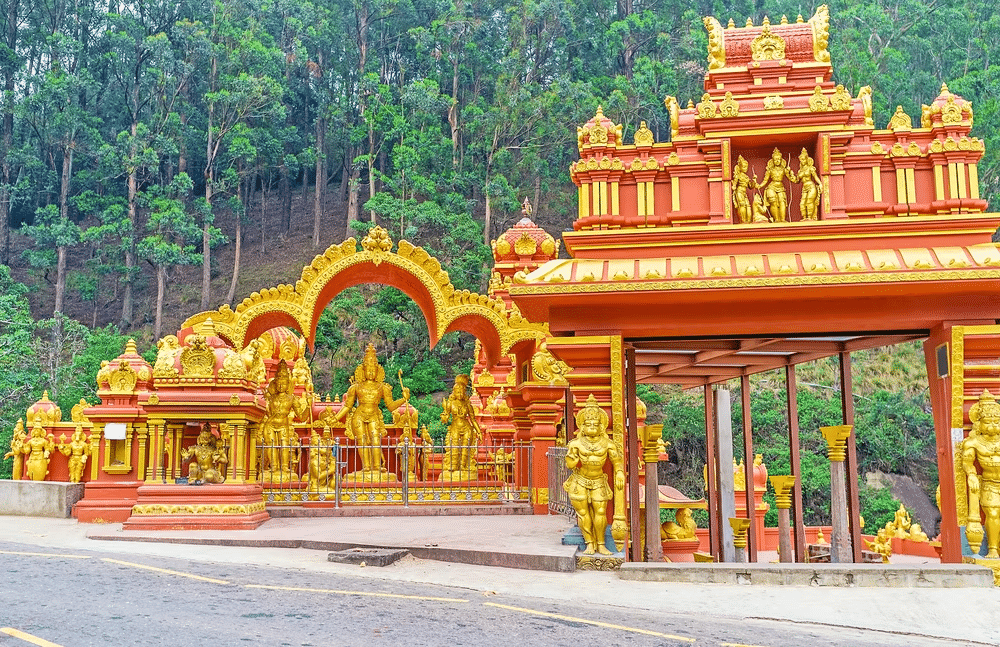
410 269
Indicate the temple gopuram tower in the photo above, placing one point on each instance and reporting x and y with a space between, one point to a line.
782 223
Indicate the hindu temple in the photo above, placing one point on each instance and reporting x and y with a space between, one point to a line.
781 223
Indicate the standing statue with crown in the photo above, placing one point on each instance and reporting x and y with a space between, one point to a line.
981 487
276 434
365 425
462 440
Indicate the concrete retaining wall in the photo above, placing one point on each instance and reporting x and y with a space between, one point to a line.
39 498
881 575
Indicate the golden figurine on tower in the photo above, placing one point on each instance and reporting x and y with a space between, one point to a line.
982 447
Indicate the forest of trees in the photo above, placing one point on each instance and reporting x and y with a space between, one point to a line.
155 152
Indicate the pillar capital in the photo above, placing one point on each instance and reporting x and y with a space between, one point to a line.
740 527
650 435
836 441
783 490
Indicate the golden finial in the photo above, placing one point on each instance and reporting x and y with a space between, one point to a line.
207 328
130 347
731 24
599 113
944 89
690 104
767 22
799 19
784 19
749 22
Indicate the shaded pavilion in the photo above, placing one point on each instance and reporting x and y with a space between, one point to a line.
670 281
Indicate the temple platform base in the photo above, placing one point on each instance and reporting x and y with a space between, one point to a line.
205 507
849 575
680 550
106 501
39 498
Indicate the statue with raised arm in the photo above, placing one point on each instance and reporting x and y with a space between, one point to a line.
365 425
462 440
587 486
39 448
276 433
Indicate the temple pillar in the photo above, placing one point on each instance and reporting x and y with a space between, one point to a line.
651 457
783 499
238 451
154 471
840 537
739 526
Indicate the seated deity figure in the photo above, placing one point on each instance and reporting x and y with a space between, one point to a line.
365 425
76 449
681 529
15 453
462 439
208 459
276 433
587 486
775 195
38 447
322 463
982 447
901 523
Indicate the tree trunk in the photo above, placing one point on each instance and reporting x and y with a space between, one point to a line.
538 194
206 239
320 177
10 39
285 189
453 113
371 166
133 182
67 173
161 289
238 245
488 224
353 200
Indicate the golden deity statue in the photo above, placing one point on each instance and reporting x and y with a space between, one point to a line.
322 463
900 525
503 463
406 447
426 449
982 447
365 425
462 439
38 447
208 459
77 450
15 453
811 187
681 529
741 183
775 195
587 486
276 435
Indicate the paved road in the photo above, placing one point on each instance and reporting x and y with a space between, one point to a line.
80 598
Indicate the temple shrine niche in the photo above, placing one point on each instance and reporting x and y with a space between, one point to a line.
780 224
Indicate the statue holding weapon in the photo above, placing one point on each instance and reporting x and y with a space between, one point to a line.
365 425
775 193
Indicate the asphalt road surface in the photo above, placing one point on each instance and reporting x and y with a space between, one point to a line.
81 599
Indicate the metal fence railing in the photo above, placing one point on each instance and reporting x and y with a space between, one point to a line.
392 473
558 473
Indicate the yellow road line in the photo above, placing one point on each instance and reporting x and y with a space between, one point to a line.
364 593
14 552
590 622
165 571
34 640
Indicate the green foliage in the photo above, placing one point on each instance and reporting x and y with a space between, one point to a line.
19 377
877 507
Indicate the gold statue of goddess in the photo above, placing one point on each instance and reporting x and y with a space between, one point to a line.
276 434
587 486
811 187
38 447
983 447
775 195
461 442
365 425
